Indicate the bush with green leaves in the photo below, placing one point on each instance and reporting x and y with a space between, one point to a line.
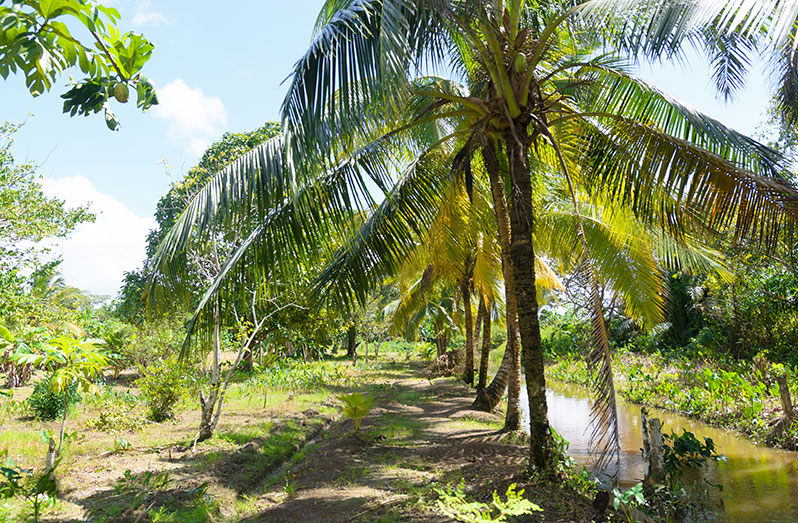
11 407
299 376
73 362
46 404
152 342
163 385
685 451
116 416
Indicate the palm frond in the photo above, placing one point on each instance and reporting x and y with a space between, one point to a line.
283 230
671 179
355 69
660 29
389 234
615 93
730 59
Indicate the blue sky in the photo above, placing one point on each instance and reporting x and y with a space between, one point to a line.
218 67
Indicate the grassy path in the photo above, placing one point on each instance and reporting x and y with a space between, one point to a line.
420 435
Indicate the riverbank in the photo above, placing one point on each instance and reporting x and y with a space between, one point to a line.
737 396
758 482
286 453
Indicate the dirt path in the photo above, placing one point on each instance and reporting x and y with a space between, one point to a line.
421 435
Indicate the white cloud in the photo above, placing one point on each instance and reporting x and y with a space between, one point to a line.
96 254
145 15
194 119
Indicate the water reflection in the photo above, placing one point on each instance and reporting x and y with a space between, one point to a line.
759 483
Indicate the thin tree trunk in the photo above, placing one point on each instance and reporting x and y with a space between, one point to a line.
207 405
350 341
49 460
512 418
468 371
786 399
522 262
482 317
247 360
442 344
63 422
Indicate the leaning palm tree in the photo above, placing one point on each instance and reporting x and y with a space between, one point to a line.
539 94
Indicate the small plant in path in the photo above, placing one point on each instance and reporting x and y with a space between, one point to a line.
290 486
356 406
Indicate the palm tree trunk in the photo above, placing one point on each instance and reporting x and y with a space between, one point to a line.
468 371
512 419
488 398
483 319
522 262
351 332
441 344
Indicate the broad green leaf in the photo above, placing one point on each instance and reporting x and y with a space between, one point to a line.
6 334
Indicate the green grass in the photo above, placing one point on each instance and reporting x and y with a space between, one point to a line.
352 474
395 428
469 423
280 438
245 434
412 397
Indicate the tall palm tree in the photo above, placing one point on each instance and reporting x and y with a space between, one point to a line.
539 95
538 86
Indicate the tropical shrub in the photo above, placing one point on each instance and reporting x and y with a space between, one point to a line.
118 338
564 334
299 376
162 385
9 406
38 489
683 452
46 404
73 362
116 415
570 368
153 342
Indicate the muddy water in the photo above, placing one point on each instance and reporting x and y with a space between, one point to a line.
759 483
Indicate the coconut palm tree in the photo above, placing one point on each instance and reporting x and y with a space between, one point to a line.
454 253
539 94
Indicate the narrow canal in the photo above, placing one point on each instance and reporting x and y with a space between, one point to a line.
759 483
